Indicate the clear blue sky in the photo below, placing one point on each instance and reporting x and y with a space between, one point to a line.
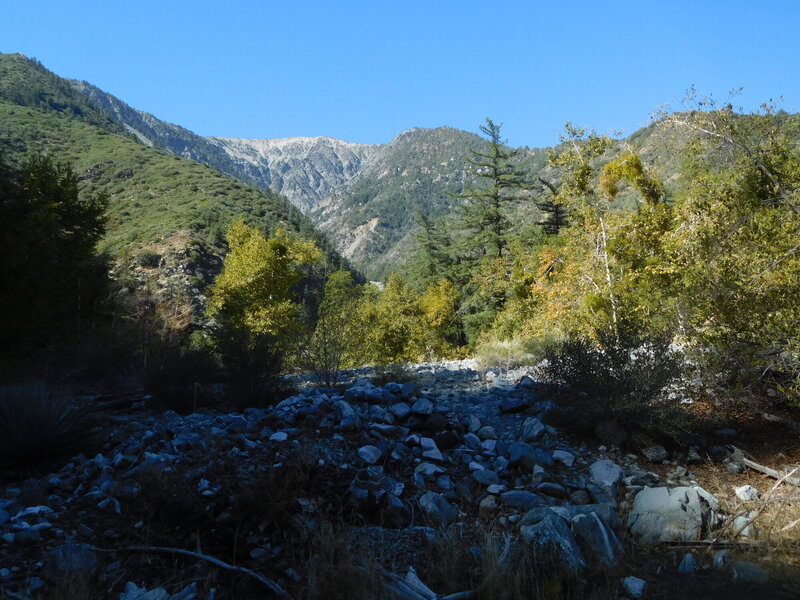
364 71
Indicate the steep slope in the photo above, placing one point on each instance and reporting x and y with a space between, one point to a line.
153 132
304 169
372 219
152 194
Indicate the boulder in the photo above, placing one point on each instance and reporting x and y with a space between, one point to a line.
552 534
605 473
597 539
522 500
749 572
438 509
568 512
532 430
370 454
669 514
521 455
486 477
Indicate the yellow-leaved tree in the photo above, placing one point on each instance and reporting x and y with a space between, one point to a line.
254 303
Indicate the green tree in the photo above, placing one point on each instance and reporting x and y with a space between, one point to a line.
51 275
555 216
254 303
484 215
336 339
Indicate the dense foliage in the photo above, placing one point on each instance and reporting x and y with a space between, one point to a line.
51 276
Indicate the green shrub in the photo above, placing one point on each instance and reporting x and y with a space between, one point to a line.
626 380
38 423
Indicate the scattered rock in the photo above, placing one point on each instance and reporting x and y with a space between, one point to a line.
438 509
688 564
606 473
746 493
552 534
634 587
370 454
532 430
522 500
656 454
597 539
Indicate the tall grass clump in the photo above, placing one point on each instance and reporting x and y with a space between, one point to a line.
39 423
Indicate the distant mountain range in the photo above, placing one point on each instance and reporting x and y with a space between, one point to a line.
362 197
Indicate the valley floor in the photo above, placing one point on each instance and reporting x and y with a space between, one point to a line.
338 493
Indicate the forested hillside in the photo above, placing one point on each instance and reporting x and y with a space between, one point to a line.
151 193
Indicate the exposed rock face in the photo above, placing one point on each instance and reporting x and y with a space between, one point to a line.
304 169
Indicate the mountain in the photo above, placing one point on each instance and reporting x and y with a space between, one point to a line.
306 170
153 194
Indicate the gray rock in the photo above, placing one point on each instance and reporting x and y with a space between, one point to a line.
634 587
400 410
134 592
522 500
438 509
345 415
597 539
422 407
669 514
486 477
532 430
656 454
749 572
743 524
279 436
522 455
580 498
370 454
367 392
555 490
688 564
409 390
721 558
472 441
552 533
565 458
605 473
513 405
604 511
486 432
4 517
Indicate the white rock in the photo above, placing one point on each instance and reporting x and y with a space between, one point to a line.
747 493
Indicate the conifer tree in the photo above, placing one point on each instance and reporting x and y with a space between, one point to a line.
483 214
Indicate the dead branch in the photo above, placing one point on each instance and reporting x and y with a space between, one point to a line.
271 585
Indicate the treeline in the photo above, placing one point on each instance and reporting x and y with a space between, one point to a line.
707 262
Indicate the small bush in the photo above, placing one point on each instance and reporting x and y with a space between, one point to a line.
38 423
626 380
180 379
393 373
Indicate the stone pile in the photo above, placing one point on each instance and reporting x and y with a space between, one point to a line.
452 448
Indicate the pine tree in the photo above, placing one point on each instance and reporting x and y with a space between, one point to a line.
483 214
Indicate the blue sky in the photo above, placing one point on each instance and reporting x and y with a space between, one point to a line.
364 71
